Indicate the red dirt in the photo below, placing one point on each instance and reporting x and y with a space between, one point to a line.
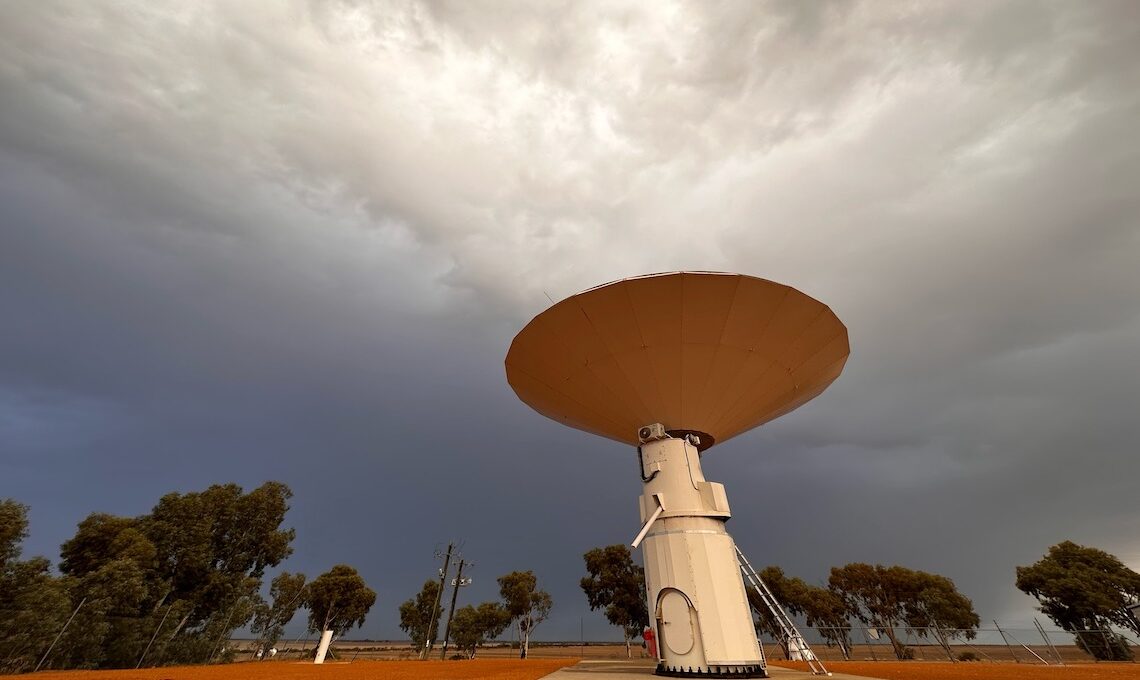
934 670
475 669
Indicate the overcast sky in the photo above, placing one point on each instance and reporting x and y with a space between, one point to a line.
243 241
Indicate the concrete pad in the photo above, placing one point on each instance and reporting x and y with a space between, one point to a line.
614 669
605 669
790 674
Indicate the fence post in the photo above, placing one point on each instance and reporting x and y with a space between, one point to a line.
869 645
917 647
1026 648
944 642
1008 646
1048 641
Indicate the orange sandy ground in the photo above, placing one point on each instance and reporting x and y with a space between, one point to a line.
933 670
475 669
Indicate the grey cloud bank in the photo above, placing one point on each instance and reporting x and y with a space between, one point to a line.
293 241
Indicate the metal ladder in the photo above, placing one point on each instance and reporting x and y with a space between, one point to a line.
792 635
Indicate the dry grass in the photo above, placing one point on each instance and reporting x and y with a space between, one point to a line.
475 669
934 670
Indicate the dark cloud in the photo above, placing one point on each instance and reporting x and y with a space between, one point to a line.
293 241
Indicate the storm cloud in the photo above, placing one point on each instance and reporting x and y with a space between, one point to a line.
288 240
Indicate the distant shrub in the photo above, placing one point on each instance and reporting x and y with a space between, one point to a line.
907 653
967 656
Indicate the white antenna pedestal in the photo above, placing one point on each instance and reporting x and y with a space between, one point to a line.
698 607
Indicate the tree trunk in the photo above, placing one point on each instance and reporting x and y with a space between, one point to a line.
944 641
895 644
628 654
845 647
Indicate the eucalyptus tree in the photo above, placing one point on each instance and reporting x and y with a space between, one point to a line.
189 571
525 603
472 626
287 594
616 584
1086 591
338 600
419 613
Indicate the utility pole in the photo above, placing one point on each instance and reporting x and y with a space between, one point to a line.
438 598
458 582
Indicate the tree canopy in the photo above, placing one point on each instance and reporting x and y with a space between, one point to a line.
472 626
213 546
1085 589
33 603
287 594
617 585
338 600
169 586
13 529
418 613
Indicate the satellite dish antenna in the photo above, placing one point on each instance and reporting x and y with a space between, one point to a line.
674 364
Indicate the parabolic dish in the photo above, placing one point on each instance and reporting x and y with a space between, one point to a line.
703 352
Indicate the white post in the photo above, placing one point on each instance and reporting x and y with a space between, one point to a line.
323 648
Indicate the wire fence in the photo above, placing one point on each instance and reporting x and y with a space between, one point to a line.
1037 645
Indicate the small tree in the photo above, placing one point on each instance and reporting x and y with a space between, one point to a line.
1085 590
472 626
417 615
618 585
338 600
526 605
287 592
